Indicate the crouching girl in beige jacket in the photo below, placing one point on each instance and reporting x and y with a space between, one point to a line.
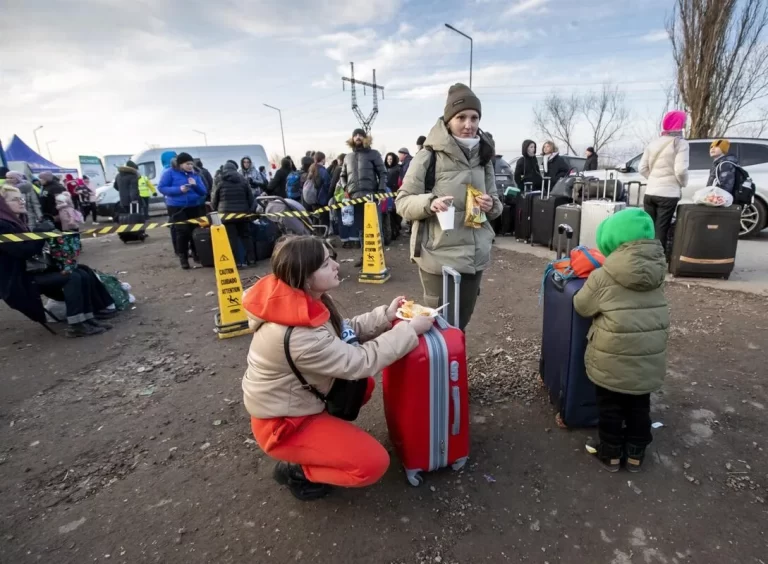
290 422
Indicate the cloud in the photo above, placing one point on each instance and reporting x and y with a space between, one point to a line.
525 6
297 17
655 36
436 85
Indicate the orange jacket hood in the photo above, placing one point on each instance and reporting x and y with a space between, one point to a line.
273 301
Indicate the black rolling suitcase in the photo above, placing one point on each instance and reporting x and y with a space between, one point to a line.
543 216
201 237
508 220
705 241
524 211
134 219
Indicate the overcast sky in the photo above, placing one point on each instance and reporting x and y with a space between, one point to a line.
114 76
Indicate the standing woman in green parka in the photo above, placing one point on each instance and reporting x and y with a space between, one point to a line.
462 157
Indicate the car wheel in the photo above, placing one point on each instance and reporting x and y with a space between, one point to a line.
753 219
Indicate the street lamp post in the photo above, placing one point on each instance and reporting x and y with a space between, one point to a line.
48 146
205 137
34 132
282 133
471 49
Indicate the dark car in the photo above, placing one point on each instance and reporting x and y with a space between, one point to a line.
504 177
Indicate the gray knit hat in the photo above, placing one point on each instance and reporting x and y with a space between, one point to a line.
460 98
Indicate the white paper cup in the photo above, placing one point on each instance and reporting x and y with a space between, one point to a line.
446 218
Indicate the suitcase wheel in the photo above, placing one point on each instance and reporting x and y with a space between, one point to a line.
459 464
559 421
414 478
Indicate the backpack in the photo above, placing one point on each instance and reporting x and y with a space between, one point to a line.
309 192
293 186
743 187
429 185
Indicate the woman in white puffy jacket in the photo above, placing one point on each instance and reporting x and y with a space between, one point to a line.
665 165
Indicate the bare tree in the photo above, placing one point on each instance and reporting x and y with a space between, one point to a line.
557 117
720 59
754 127
606 114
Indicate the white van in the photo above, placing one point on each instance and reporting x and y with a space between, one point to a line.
111 162
150 166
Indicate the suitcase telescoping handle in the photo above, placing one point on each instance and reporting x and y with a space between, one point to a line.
134 207
546 181
564 229
610 176
527 187
453 273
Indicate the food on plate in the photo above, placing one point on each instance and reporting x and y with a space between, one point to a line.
409 310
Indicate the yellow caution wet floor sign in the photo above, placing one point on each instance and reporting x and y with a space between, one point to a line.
374 267
231 320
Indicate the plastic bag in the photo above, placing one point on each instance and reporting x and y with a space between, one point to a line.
474 217
348 216
713 196
55 309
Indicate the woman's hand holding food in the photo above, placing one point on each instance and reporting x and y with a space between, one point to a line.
393 307
441 204
485 202
421 324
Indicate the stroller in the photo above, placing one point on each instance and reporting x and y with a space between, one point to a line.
300 225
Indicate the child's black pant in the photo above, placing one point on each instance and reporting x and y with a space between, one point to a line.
624 418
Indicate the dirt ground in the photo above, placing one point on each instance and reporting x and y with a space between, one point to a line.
134 446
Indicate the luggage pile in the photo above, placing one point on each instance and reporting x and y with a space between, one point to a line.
581 203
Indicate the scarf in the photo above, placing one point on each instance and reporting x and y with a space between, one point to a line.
468 143
6 214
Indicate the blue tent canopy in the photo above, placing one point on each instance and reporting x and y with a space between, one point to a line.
17 150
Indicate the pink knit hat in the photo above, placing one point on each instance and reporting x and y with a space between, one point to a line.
674 121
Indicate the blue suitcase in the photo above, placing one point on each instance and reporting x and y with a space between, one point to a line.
563 344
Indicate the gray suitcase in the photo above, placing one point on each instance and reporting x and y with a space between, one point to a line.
568 214
594 212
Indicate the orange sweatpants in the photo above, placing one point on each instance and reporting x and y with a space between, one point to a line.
329 450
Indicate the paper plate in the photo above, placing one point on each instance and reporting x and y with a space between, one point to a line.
432 315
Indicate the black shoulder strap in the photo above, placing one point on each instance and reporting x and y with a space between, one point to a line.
429 178
304 383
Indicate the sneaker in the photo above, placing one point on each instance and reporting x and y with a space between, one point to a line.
94 323
292 475
82 330
635 456
609 456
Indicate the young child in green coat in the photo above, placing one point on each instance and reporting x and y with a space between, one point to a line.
626 354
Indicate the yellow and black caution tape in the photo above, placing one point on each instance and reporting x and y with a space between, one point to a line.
201 221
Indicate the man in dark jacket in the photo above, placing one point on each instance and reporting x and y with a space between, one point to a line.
276 186
723 171
363 173
591 163
206 176
405 161
127 184
51 187
234 195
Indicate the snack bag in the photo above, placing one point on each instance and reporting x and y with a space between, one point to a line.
474 217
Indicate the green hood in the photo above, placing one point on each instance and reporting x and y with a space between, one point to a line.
638 265
631 224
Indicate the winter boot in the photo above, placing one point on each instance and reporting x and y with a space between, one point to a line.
635 456
292 475
184 260
82 330
609 456
94 323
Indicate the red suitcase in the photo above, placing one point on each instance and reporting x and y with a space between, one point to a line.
426 398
